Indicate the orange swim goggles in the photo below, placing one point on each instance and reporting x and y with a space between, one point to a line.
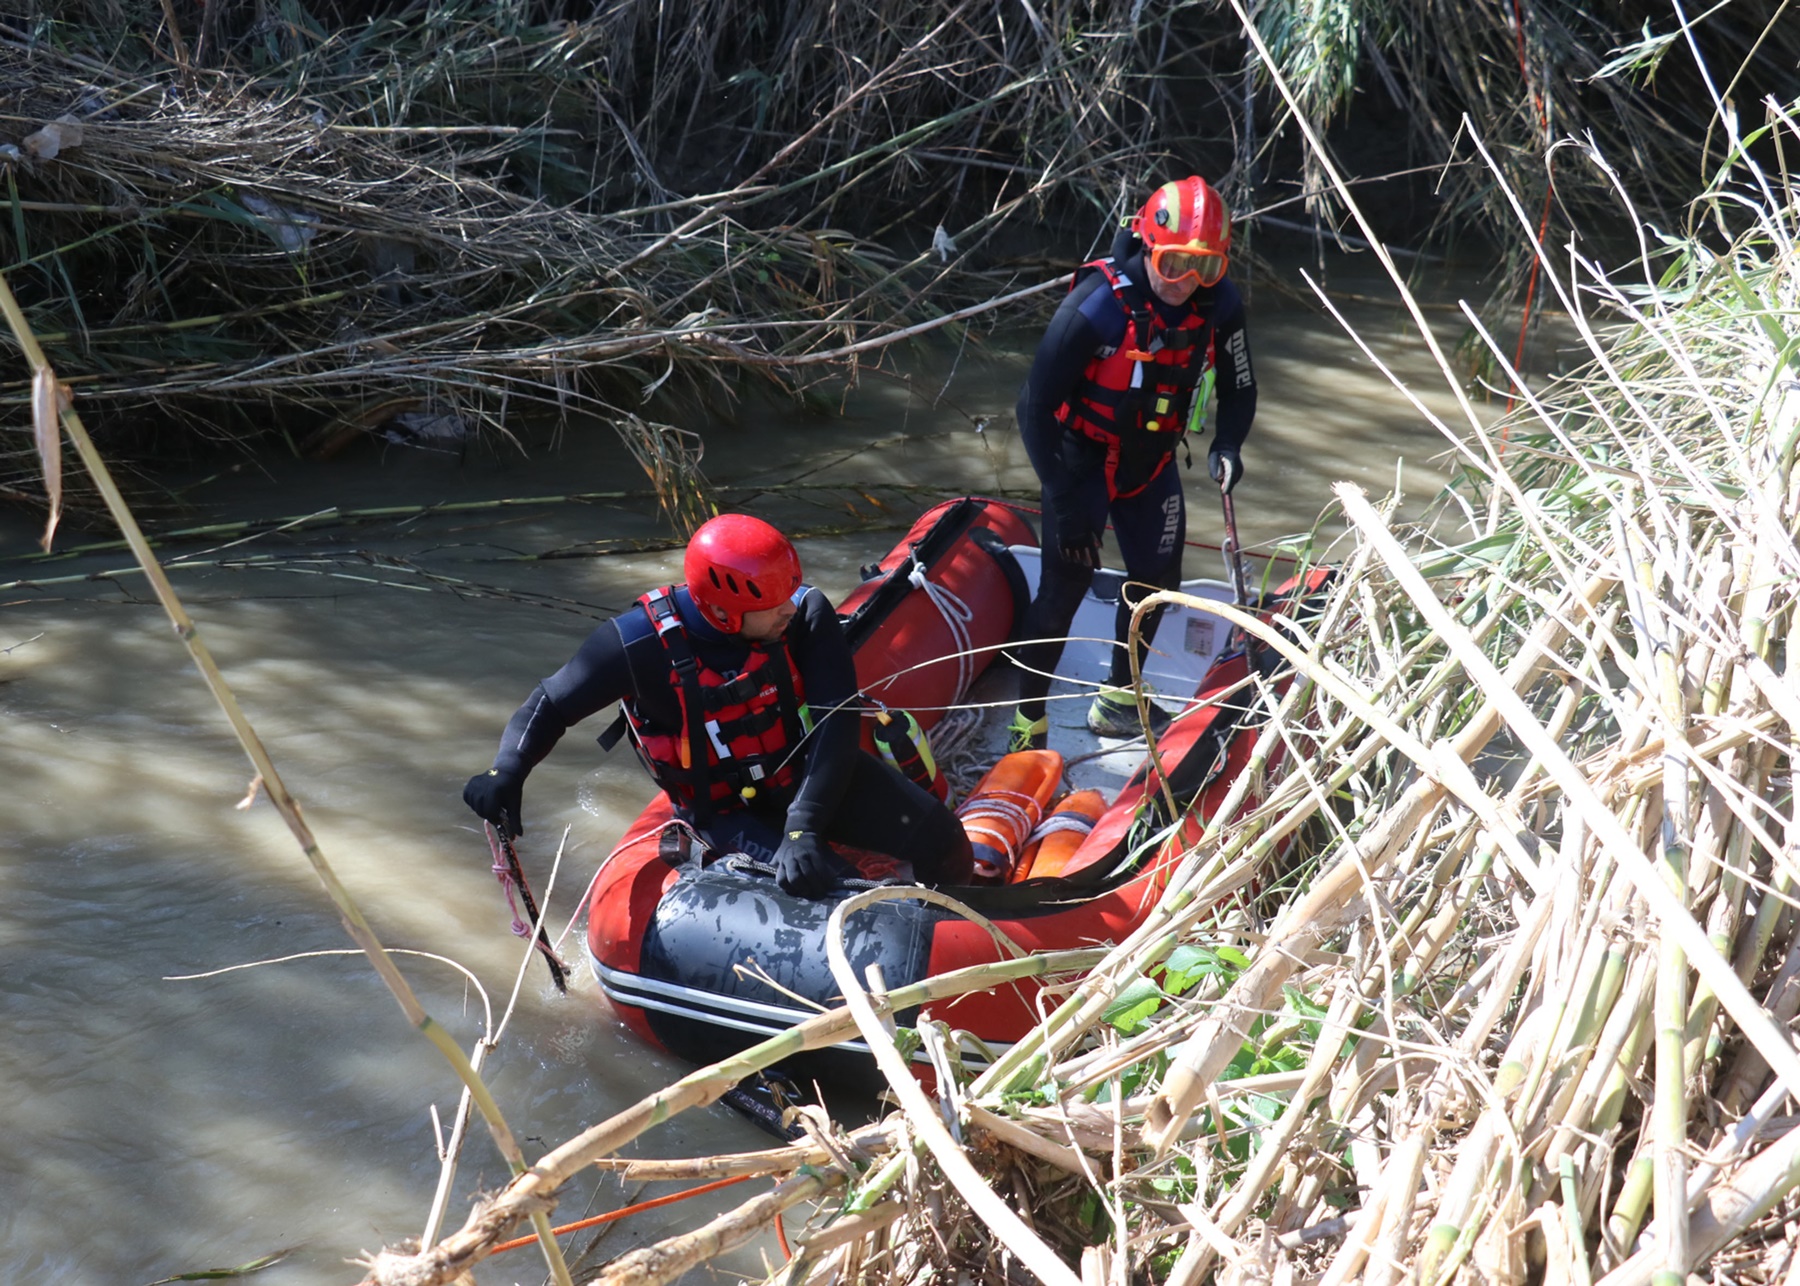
1195 261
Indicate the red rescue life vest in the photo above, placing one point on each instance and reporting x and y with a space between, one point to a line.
748 726
1136 398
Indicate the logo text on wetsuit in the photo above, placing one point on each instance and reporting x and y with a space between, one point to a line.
1240 359
1171 508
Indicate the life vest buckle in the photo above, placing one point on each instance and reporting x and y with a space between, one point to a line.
663 613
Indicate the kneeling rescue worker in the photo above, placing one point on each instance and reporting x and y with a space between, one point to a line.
1121 374
738 690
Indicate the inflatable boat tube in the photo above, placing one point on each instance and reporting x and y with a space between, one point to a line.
682 945
931 616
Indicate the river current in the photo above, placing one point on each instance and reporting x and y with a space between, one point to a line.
159 1123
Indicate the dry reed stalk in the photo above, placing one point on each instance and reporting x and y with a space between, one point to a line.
770 1161
1316 916
668 1259
923 1117
68 421
1640 779
535 1189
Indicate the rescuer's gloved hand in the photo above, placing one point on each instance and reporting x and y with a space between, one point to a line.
1226 464
497 796
805 865
1076 540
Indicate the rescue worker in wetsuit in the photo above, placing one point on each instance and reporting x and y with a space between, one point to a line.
739 692
1123 370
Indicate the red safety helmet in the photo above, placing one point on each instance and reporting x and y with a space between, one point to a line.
737 564
1186 231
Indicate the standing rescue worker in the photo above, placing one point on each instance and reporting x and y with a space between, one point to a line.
1123 370
738 690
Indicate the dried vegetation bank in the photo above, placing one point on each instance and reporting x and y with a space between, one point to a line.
288 225
318 227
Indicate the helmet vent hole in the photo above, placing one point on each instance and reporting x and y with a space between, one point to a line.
755 592
714 573
731 583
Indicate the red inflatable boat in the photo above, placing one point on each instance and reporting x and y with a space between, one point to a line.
669 932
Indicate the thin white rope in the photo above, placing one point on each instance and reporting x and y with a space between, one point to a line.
1070 821
1006 821
1000 794
957 615
1001 841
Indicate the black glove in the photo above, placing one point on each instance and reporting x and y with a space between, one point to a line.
805 866
1076 540
497 797
1226 464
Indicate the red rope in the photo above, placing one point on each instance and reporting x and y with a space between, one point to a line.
641 1206
1537 103
1248 553
1530 293
1537 100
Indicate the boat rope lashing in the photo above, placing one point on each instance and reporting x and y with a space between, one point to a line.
996 821
1061 822
1006 806
510 874
903 743
745 864
1059 837
957 615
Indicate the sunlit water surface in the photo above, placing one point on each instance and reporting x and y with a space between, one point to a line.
157 1126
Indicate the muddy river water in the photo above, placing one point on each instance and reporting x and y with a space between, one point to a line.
156 1125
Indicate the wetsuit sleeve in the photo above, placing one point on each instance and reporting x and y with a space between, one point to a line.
822 656
1077 331
1231 362
595 677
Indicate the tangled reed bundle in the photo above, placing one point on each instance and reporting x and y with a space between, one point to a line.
319 219
449 214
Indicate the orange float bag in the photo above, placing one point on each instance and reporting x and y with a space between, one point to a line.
1060 835
1002 811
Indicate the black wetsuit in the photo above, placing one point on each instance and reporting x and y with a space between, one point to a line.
843 794
1151 526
